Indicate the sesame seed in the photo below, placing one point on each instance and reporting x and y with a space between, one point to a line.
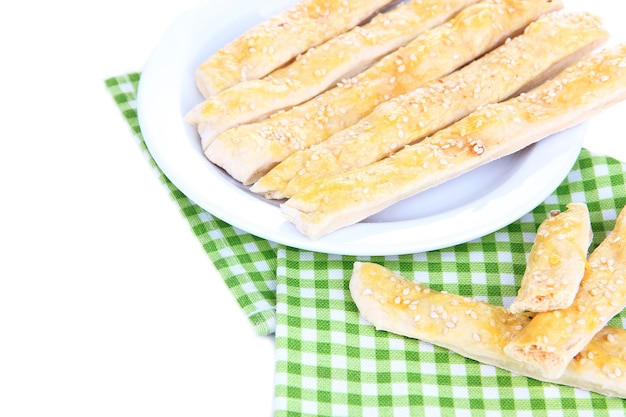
367 291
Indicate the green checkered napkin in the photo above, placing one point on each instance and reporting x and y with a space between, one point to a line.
331 363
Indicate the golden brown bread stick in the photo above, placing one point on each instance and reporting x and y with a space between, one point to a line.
557 262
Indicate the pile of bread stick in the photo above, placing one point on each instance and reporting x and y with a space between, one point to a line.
556 328
392 98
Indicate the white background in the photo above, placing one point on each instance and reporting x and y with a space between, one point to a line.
108 304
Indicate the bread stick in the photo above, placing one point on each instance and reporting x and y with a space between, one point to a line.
320 67
277 40
491 132
478 330
248 151
547 46
557 262
553 338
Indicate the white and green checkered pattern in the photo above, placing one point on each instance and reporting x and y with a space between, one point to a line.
331 363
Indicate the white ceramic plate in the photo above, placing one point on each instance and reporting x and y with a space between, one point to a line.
466 208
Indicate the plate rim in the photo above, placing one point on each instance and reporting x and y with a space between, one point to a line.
352 240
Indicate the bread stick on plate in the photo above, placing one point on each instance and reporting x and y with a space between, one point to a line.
320 67
557 262
554 338
276 41
495 130
248 151
546 47
478 330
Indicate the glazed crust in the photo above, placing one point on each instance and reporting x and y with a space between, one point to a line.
554 338
277 40
478 330
493 131
547 46
249 151
557 262
320 67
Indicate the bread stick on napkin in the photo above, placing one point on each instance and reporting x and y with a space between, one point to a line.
478 330
554 338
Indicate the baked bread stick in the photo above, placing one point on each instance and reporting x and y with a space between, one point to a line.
320 67
557 262
495 130
554 338
248 151
547 46
478 330
276 41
